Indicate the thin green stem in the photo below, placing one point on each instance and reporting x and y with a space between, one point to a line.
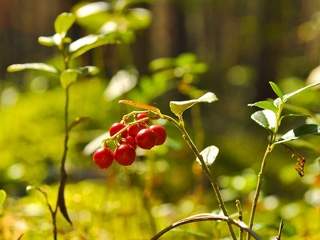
205 217
278 237
258 187
60 202
205 168
238 205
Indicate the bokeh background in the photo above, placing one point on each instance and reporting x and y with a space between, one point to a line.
230 47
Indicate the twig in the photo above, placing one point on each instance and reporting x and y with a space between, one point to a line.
258 187
205 168
206 217
238 205
278 237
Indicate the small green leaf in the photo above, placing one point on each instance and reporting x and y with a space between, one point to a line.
89 70
92 8
161 63
89 42
46 41
267 104
209 155
287 96
178 107
64 22
55 40
306 129
68 77
265 118
139 18
122 82
3 197
276 89
32 66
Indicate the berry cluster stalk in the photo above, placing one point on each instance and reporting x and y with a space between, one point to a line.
212 179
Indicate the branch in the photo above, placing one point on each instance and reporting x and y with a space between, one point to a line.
206 217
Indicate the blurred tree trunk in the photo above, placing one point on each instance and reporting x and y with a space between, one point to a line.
270 34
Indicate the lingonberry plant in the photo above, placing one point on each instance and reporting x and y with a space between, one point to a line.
269 118
140 129
68 74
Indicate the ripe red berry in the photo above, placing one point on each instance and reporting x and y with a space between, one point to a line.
125 154
160 133
103 157
146 139
129 140
142 116
116 127
134 129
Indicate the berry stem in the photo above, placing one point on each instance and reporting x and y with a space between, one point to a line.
212 179
123 130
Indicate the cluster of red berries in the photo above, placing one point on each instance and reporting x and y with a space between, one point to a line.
140 134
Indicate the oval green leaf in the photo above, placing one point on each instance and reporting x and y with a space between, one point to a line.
265 118
209 155
276 89
32 66
303 130
68 77
64 22
267 104
89 42
92 8
88 70
178 107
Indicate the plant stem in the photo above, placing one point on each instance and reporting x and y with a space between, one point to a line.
238 205
278 237
63 173
206 217
205 168
259 184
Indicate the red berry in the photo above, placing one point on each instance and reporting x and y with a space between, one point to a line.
145 138
134 129
125 154
142 116
129 140
116 127
103 157
160 133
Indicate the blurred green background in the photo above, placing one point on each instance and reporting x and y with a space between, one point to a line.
180 50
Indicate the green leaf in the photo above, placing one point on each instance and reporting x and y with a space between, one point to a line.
267 104
276 89
3 197
178 107
209 155
68 77
287 96
89 42
89 70
306 129
64 22
265 118
122 82
139 18
161 63
47 41
32 66
92 8
55 40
